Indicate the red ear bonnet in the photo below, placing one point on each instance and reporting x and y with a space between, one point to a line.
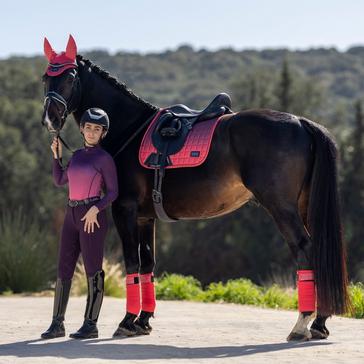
58 63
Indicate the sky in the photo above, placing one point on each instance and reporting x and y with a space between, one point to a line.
153 26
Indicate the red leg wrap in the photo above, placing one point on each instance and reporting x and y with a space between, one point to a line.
132 293
306 291
148 292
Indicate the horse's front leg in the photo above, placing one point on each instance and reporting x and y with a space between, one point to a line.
125 218
147 263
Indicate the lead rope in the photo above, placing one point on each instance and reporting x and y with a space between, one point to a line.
65 144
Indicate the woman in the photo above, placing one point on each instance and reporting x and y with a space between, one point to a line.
85 224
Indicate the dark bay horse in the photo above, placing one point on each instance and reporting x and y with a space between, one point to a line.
287 163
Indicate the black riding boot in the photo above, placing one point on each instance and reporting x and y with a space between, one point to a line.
61 295
94 300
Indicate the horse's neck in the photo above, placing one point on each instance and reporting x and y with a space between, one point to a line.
126 112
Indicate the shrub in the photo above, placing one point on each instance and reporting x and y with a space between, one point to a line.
277 297
241 291
177 287
357 298
25 253
114 283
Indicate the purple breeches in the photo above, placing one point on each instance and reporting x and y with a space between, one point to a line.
74 240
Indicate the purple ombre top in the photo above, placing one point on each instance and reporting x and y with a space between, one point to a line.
89 171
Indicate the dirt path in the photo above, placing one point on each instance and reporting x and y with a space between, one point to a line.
183 331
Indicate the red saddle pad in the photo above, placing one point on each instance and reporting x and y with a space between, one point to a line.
193 153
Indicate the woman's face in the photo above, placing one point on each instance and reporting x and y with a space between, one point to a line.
92 133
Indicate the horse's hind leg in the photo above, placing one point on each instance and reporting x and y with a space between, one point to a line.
318 328
290 224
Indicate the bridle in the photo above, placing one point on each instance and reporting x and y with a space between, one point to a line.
72 103
69 106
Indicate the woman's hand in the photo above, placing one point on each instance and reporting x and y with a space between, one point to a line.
90 219
54 146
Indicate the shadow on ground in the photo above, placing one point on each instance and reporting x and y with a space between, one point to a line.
123 350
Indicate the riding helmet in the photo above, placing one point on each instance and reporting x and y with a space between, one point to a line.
95 115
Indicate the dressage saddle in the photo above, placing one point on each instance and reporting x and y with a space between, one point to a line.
174 125
169 136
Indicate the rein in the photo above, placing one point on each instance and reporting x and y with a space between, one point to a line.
56 97
130 139
123 146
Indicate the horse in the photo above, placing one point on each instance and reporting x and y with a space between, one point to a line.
287 163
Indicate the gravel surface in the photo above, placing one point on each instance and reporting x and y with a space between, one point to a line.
182 332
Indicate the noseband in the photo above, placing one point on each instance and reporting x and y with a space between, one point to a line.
69 106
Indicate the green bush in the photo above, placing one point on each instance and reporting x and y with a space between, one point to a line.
357 299
177 287
26 261
243 291
277 297
114 283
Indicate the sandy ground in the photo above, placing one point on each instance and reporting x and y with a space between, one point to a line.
183 332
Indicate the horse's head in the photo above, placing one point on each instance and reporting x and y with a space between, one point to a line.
61 85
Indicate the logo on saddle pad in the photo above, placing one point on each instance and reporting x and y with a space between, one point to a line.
189 146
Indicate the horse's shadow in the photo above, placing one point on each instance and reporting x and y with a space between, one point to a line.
111 349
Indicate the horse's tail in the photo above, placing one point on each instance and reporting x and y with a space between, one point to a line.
324 224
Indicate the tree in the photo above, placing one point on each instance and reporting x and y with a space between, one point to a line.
353 194
284 91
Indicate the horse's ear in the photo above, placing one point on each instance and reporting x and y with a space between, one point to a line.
48 50
71 49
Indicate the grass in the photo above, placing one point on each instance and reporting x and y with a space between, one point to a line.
168 286
357 298
242 291
177 287
26 254
114 282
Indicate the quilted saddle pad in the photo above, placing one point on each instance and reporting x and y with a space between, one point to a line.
193 153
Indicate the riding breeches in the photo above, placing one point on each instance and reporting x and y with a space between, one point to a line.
74 240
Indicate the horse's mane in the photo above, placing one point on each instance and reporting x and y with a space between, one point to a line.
113 81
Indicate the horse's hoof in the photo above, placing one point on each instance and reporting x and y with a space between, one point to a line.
294 336
319 332
143 329
142 323
318 335
124 332
126 326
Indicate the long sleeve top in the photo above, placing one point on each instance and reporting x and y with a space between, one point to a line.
89 171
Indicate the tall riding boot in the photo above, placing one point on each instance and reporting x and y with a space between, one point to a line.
61 295
94 300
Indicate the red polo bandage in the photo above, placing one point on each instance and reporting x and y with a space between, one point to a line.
148 292
306 291
132 293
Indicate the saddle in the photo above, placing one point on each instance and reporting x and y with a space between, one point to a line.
169 136
175 123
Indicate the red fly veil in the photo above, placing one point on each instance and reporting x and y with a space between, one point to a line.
58 63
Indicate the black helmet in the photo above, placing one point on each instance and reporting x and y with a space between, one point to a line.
95 116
